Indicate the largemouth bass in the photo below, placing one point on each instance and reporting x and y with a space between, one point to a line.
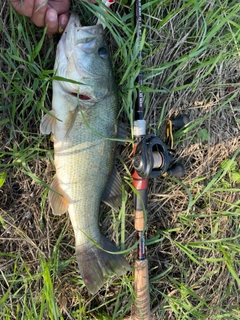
82 119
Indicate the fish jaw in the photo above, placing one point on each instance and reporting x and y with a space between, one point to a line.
67 41
76 34
82 56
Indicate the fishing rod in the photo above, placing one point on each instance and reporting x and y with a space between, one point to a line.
141 280
152 158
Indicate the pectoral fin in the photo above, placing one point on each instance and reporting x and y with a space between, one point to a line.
58 199
71 121
48 123
112 195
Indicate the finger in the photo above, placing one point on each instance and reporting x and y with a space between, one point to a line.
51 21
62 22
39 12
23 7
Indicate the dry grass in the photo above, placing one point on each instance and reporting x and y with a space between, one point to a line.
191 66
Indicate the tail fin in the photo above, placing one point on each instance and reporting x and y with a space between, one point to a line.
96 264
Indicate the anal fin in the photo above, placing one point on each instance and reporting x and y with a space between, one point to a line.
58 199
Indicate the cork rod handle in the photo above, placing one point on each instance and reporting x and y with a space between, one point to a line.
141 286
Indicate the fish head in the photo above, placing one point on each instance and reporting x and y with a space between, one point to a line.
82 55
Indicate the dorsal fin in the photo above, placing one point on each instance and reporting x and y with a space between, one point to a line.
123 133
112 195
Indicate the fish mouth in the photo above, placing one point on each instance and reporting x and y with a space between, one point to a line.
85 38
76 48
82 36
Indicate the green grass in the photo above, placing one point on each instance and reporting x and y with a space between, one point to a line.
191 64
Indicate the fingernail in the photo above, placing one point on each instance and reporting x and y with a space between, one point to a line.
63 20
52 15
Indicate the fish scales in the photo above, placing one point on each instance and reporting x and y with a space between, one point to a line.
82 119
85 177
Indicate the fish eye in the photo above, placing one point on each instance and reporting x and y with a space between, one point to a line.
103 52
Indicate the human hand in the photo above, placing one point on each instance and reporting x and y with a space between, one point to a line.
51 13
